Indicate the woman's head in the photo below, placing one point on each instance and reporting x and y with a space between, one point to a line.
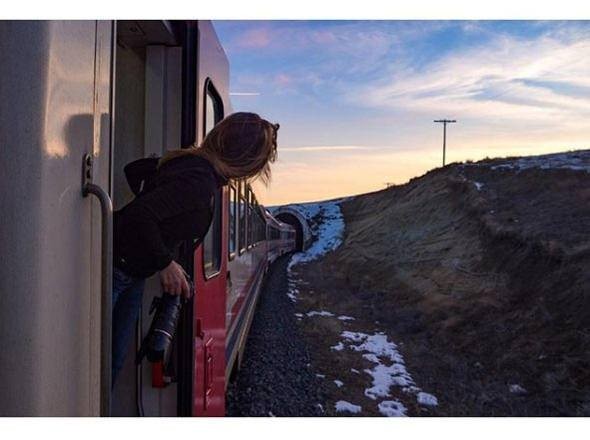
241 146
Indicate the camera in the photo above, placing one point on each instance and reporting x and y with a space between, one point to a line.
158 340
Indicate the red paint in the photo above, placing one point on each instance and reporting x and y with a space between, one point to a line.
210 314
158 375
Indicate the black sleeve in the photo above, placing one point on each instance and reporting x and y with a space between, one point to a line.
181 195
140 171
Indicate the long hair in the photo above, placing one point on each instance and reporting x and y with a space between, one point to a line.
241 146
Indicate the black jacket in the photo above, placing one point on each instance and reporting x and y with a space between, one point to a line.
175 205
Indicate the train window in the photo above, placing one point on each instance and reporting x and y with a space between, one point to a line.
213 107
242 218
251 226
247 222
232 222
212 241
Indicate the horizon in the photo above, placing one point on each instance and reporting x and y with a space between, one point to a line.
356 100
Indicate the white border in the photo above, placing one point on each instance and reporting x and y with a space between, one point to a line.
296 428
297 9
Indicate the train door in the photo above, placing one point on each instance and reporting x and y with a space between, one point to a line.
54 111
149 104
210 281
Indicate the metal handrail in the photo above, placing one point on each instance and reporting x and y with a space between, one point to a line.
106 206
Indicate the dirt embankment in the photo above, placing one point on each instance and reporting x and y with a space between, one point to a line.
483 271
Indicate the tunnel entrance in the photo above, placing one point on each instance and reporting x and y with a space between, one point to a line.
290 219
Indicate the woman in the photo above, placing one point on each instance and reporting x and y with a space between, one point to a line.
177 205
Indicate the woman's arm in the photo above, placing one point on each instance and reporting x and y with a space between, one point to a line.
146 213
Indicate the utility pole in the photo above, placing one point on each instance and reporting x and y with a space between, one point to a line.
445 122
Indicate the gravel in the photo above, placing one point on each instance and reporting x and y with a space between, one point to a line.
276 377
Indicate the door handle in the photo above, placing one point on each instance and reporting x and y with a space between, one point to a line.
106 261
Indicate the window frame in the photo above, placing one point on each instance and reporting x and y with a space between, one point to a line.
232 207
216 226
242 227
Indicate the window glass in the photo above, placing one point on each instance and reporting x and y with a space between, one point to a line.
209 113
212 241
213 107
232 221
242 218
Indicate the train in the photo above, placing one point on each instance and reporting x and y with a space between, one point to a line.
78 101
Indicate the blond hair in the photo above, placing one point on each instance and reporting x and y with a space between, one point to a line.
241 146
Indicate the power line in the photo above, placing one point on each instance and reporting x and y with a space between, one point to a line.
445 122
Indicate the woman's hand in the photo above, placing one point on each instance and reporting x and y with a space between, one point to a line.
174 280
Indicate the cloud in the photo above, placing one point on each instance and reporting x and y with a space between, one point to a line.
244 94
507 78
254 38
324 148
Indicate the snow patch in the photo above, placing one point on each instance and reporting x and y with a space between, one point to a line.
338 383
392 408
478 185
327 226
320 313
389 369
517 389
344 406
345 318
426 399
337 347
573 160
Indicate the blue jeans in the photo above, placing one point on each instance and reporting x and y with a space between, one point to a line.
127 296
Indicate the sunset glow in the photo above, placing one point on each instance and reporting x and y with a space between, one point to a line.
356 100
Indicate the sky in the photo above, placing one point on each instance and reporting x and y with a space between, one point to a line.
356 100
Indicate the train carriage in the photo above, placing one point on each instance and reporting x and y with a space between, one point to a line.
78 101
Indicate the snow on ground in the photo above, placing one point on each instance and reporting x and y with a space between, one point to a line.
389 370
344 406
517 389
572 160
327 226
292 290
345 318
338 347
392 408
478 185
427 399
320 313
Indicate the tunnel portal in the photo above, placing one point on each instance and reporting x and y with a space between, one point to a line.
290 219
291 216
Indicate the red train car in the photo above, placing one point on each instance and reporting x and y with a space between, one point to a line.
82 99
229 269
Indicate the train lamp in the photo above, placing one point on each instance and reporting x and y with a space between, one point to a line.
444 122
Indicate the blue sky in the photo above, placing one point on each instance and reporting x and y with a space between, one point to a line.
356 99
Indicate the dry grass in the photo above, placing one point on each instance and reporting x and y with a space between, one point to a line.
485 288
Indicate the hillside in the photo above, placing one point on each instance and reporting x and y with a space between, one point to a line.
480 273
